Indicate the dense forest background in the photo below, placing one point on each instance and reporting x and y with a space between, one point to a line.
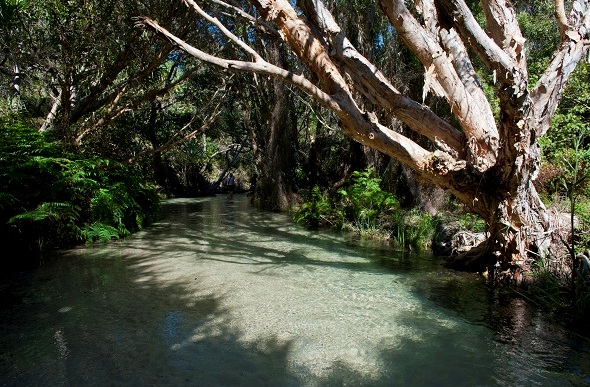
100 119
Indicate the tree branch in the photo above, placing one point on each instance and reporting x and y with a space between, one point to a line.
503 28
575 44
172 142
363 127
223 29
116 110
561 18
416 116
494 57
266 27
261 67
477 121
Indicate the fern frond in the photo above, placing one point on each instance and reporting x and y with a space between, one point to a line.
55 210
100 232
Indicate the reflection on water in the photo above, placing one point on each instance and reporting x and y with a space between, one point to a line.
218 293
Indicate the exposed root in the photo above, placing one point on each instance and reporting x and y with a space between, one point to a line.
475 259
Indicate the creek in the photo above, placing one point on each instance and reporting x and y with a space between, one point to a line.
218 293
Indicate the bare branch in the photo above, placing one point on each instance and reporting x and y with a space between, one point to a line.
413 114
266 27
561 18
222 28
261 67
312 110
48 121
503 28
463 66
575 44
477 121
495 58
116 109
172 143
358 125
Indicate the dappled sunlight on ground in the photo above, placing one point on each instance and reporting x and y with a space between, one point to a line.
218 293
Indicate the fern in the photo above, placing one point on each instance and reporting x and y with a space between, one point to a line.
364 200
54 210
315 211
100 232
50 197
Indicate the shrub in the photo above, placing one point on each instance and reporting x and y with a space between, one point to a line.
364 201
52 198
316 210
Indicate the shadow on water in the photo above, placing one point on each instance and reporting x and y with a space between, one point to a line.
102 323
270 231
163 308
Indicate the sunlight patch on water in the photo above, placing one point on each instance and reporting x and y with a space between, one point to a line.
330 305
219 293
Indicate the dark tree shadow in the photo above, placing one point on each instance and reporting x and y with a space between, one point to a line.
120 314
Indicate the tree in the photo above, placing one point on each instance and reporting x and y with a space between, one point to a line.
486 161
276 158
85 61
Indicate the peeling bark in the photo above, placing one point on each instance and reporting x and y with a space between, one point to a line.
487 164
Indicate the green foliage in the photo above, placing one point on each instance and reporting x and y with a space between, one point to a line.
565 172
101 232
364 208
575 177
547 288
316 211
472 222
572 116
364 200
50 198
49 210
414 228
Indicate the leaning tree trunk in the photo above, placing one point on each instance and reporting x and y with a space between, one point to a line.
486 161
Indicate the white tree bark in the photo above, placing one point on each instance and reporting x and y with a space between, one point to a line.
488 164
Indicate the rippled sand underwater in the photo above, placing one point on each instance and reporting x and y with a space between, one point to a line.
219 293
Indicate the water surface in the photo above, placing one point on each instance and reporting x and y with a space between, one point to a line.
219 293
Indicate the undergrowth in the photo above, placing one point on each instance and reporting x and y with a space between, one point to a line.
51 198
364 208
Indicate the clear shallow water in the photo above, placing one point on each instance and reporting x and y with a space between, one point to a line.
218 293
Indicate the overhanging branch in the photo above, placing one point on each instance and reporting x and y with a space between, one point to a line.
260 67
410 112
476 120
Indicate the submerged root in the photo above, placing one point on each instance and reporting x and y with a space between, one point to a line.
482 259
474 260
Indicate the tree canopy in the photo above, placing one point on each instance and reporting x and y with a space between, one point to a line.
488 161
461 93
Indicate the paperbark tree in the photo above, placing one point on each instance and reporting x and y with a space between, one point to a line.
487 162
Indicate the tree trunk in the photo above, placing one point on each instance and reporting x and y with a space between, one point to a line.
275 187
505 197
16 80
487 162
518 236
158 166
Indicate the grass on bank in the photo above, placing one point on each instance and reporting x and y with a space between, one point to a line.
365 209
